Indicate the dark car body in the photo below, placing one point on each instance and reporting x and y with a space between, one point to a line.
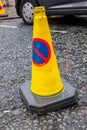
58 7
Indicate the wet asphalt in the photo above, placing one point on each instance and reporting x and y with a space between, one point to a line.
70 45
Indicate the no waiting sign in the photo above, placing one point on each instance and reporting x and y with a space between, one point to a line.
41 52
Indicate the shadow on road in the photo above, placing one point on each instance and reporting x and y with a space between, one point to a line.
69 20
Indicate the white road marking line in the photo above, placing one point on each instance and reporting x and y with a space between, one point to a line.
6 26
58 31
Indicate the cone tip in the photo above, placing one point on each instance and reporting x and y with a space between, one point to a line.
41 8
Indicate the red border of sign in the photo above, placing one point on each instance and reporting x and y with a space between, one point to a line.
49 49
0 7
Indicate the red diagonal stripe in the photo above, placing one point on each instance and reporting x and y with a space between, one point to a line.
39 54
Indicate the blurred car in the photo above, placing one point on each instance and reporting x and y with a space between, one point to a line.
24 8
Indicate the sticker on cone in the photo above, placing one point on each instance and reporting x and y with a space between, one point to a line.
41 52
0 7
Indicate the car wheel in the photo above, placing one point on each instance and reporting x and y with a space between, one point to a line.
26 11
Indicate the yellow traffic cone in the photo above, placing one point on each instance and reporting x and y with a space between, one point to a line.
2 11
46 79
45 92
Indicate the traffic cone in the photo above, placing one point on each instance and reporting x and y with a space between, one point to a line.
46 79
2 11
46 91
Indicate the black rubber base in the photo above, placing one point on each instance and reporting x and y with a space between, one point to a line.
42 105
4 15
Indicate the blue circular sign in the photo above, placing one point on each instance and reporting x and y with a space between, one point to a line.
40 52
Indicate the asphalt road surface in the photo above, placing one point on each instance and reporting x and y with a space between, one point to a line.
70 43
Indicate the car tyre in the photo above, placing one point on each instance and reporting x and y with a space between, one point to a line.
27 11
